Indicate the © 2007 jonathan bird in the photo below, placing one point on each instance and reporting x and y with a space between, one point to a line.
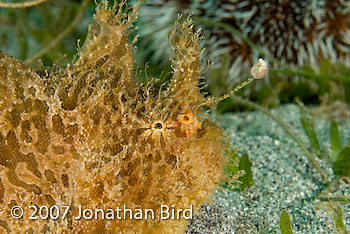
89 134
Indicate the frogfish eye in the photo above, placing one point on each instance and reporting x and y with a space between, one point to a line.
158 126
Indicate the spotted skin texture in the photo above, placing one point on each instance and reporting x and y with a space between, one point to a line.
89 134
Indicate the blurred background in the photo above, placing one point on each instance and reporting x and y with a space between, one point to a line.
307 44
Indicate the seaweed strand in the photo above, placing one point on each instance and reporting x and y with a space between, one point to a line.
61 36
288 130
21 5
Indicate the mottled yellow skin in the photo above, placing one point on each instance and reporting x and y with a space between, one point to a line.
89 134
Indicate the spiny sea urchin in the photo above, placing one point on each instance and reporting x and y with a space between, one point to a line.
294 32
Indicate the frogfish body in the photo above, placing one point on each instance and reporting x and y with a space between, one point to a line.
90 135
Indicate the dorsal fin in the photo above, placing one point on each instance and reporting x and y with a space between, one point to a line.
106 46
185 62
105 60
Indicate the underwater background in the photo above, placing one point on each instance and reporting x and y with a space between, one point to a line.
289 128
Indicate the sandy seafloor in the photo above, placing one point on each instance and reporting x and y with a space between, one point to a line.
284 179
